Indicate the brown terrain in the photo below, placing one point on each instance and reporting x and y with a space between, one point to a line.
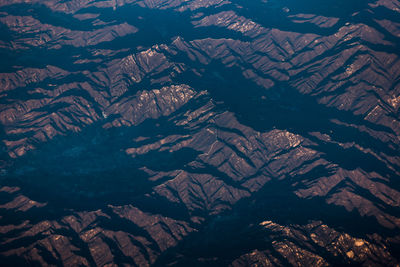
205 132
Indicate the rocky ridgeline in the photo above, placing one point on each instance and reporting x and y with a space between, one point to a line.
234 108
